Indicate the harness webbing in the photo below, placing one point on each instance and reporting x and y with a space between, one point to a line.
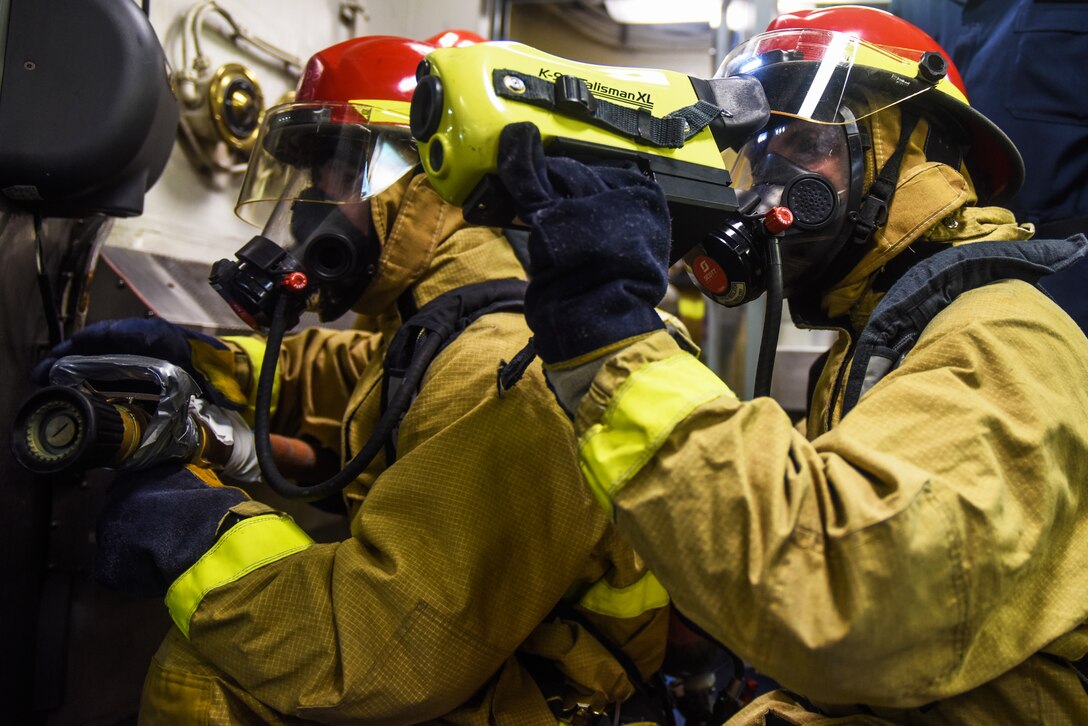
446 317
571 96
873 211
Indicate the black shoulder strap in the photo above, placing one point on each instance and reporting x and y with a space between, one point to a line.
446 317
932 284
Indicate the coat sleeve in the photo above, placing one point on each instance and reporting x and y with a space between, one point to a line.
318 370
928 543
459 550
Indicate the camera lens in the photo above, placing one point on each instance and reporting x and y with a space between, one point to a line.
426 111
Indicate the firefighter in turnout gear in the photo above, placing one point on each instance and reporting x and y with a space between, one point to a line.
916 554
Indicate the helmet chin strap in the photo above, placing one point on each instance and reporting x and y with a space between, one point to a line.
872 213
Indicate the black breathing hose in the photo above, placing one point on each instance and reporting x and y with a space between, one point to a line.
772 319
425 350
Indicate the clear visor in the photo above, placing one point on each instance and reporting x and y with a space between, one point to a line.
324 153
787 150
811 74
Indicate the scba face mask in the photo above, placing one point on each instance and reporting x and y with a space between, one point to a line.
335 243
814 170
316 167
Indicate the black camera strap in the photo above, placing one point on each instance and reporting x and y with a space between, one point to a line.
572 96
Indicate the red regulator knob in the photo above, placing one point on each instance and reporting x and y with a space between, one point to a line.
295 281
778 219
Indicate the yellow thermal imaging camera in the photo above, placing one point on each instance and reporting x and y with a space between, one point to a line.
673 126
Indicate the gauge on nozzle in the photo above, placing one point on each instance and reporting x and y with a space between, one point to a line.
61 428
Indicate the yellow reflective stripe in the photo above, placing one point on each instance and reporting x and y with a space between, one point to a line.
692 308
642 414
254 348
250 544
625 602
216 362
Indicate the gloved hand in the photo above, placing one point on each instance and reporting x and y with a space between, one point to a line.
156 523
209 361
598 248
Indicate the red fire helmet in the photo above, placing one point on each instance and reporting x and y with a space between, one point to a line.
814 62
346 133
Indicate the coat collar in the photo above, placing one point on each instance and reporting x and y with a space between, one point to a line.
428 248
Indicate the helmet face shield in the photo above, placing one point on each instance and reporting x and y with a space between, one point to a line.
811 74
315 167
338 153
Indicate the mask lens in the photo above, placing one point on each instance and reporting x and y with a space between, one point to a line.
779 156
805 167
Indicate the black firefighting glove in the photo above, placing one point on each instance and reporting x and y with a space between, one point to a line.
598 248
209 361
156 523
